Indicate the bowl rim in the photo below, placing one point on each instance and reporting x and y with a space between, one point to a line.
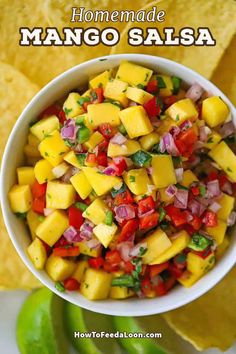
102 306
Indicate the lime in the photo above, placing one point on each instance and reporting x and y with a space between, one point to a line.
39 328
135 345
87 322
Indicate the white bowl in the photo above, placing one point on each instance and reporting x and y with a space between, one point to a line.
13 157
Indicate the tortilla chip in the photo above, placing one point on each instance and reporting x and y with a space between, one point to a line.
15 92
224 75
210 321
219 16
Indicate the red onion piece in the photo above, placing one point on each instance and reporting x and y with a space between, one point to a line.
171 190
174 131
149 170
124 212
181 199
170 146
125 248
136 249
132 103
86 230
162 146
227 129
48 211
110 170
215 207
196 207
70 234
69 130
93 243
71 172
204 132
186 125
194 92
179 174
118 139
213 188
231 219
227 188
149 212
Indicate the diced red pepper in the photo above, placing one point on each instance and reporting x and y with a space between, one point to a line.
222 180
75 217
61 242
180 261
189 229
102 146
71 284
85 105
123 198
106 130
39 190
91 158
152 86
168 101
160 288
67 251
175 271
113 257
177 216
62 116
205 253
152 107
170 282
196 222
145 205
210 219
120 165
102 159
97 95
157 269
47 248
149 221
195 190
108 267
50 111
128 229
146 286
39 204
96 262
128 267
212 176
185 142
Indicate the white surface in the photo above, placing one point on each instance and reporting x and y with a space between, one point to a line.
10 306
64 83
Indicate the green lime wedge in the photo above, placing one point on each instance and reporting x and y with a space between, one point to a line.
39 328
135 345
87 322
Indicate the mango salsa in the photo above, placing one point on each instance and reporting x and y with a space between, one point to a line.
133 190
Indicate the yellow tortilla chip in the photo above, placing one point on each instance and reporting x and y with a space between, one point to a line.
219 16
210 321
224 75
15 92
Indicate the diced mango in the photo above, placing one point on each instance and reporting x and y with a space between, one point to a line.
187 279
127 149
100 182
138 95
178 245
119 293
96 211
79 272
43 171
59 268
213 139
214 111
147 141
33 222
222 248
105 233
96 284
163 173
52 227
59 195
157 243
137 180
31 151
225 158
100 80
25 175
53 148
188 178
227 205
71 158
45 127
116 90
71 106
37 253
182 110
168 90
133 74
33 140
103 113
136 121
218 232
94 140
91 252
81 184
20 198
166 125
198 265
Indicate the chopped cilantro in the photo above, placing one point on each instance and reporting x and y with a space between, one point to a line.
230 139
210 140
109 218
165 225
146 77
142 251
60 287
162 214
202 190
115 192
122 129
199 242
21 215
81 206
82 100
81 158
160 82
46 153
179 186
229 169
83 134
116 103
41 218
49 196
125 280
132 178
102 59
80 120
67 110
94 95
140 86
177 117
176 84
141 158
